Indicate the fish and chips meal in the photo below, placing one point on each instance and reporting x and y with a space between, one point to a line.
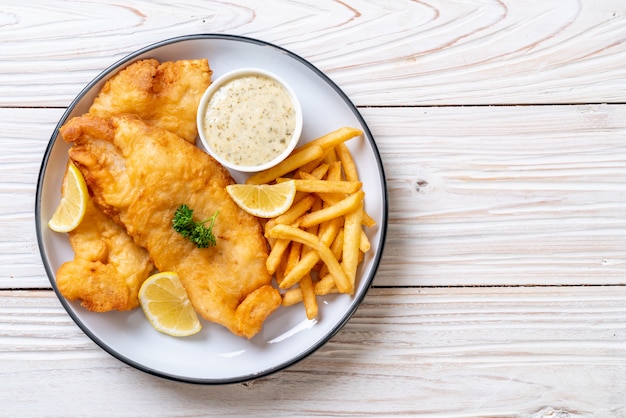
154 221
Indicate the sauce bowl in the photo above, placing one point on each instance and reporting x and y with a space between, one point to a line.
249 120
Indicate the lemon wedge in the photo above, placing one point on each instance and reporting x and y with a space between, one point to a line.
263 200
165 303
71 210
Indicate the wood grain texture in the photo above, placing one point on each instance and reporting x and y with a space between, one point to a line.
503 195
429 352
25 136
501 290
477 195
396 52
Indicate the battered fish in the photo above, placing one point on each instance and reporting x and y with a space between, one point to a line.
140 175
163 94
108 267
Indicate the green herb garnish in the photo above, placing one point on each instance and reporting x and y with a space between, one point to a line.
195 232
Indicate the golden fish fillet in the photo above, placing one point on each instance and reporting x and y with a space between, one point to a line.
163 94
140 175
108 267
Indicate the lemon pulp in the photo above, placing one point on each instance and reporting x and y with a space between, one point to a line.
165 303
71 210
263 200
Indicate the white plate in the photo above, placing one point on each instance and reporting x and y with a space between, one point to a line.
215 356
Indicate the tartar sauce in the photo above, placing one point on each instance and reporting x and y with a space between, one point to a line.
249 120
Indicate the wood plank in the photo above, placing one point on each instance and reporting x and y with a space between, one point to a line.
389 53
406 352
503 195
501 292
26 133
477 195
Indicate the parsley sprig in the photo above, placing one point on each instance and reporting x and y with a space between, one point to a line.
195 232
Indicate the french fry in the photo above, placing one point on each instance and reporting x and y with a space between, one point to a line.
309 167
324 286
308 297
292 214
350 171
275 256
280 271
312 257
334 171
333 138
334 177
337 245
337 248
293 257
327 233
328 198
365 244
289 164
301 269
293 296
329 230
327 186
351 242
340 208
367 220
334 174
295 234
317 245
351 174
320 171
349 168
331 156
313 229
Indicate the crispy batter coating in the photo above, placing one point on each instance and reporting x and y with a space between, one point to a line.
108 267
163 94
140 175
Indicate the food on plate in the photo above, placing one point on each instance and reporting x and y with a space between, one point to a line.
165 302
263 200
140 174
163 94
318 243
71 210
108 267
249 118
321 248
151 200
289 164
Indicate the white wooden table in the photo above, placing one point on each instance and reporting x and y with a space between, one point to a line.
502 129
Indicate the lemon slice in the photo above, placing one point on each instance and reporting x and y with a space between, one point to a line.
263 200
71 210
166 305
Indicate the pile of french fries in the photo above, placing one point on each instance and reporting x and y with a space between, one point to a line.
317 245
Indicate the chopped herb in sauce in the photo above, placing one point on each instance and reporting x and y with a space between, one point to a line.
250 120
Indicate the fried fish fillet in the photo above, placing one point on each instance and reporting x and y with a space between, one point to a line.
140 175
163 94
108 267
